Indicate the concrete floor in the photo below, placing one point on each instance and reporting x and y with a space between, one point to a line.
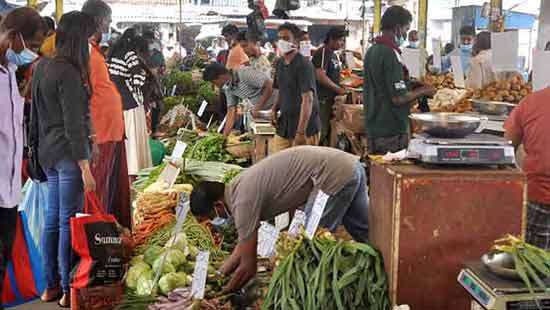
37 305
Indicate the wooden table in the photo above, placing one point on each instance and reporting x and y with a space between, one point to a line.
428 222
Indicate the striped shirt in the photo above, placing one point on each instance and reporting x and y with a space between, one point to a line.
129 76
247 83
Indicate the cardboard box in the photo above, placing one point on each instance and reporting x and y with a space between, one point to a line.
353 117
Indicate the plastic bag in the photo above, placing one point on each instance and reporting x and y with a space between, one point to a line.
35 205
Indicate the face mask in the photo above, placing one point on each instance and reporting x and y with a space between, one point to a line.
399 39
285 47
105 37
466 47
414 44
25 57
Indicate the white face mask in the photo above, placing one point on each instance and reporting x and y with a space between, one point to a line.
285 47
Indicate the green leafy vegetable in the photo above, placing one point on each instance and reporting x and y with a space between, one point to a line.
173 280
152 253
135 272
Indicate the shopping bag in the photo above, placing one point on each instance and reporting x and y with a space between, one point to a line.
34 206
98 242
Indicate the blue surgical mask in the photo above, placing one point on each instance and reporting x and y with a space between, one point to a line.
400 41
105 37
414 44
466 47
25 57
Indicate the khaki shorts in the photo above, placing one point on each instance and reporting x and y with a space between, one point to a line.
279 143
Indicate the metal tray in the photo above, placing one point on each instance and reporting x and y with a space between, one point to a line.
492 107
445 125
501 264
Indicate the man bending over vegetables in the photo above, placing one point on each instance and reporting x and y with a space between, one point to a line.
283 183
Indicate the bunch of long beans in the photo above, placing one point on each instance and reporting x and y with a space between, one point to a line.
324 273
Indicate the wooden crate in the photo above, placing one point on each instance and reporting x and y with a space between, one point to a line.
428 222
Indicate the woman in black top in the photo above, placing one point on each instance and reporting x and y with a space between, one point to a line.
60 95
129 73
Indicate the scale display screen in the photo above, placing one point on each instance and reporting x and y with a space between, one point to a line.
477 291
470 155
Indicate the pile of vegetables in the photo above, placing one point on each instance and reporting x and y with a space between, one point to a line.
153 211
183 81
181 298
324 273
230 175
210 148
148 177
531 263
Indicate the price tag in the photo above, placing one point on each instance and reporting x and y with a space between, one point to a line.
179 149
458 72
182 210
169 175
173 93
541 70
298 221
267 238
316 214
199 275
222 124
202 108
282 220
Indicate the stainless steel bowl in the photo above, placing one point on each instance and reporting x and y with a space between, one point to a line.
492 107
445 125
501 264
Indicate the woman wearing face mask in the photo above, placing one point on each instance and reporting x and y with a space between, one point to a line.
388 96
60 92
20 30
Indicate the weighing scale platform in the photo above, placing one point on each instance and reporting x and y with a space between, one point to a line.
475 149
494 293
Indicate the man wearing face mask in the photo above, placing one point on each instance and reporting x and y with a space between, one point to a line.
414 43
295 79
467 35
387 96
21 34
109 165
327 69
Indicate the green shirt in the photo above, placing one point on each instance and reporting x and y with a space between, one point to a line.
385 78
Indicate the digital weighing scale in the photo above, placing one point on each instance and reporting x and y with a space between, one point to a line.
475 149
494 293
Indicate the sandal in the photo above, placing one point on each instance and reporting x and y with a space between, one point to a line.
65 301
51 294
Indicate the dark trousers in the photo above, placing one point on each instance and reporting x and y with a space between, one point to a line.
8 218
326 105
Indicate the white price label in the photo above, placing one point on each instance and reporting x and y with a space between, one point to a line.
182 210
222 124
179 149
199 275
202 108
436 44
282 220
267 238
298 221
169 174
173 93
316 214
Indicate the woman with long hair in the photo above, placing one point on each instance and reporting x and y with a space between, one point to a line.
60 92
129 73
21 34
481 70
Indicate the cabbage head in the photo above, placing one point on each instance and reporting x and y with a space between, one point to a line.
166 268
179 242
152 253
175 257
171 281
145 284
135 272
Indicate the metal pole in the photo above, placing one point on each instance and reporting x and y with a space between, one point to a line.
497 22
377 16
364 34
423 22
32 3
180 27
58 9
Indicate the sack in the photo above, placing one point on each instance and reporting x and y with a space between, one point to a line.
98 242
103 297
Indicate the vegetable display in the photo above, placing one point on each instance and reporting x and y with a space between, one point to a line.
210 148
531 263
324 273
